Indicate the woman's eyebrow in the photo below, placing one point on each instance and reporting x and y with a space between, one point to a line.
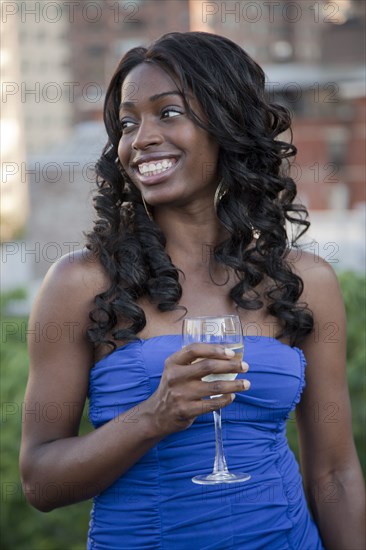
131 104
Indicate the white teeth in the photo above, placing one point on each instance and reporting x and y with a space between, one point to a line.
151 169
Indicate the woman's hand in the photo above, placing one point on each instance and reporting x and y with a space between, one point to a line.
181 394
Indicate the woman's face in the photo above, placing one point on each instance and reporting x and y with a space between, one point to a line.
166 155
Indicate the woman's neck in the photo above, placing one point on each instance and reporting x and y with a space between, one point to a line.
191 234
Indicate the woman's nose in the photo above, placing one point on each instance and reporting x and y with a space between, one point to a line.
148 134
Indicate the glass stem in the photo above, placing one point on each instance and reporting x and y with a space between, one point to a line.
220 461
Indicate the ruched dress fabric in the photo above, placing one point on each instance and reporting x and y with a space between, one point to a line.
156 506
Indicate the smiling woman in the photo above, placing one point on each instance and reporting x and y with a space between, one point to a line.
208 115
193 199
156 128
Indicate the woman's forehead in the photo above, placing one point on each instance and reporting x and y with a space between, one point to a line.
145 79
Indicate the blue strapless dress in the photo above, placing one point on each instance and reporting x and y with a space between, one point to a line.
156 506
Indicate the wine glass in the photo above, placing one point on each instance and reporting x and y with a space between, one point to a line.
224 330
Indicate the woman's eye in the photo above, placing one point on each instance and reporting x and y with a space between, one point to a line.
126 124
170 112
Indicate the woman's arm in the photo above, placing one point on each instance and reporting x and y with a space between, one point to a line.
330 466
58 467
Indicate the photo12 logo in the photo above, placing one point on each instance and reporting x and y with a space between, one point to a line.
254 12
53 12
50 172
52 92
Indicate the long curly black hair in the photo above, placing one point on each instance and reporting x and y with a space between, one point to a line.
253 163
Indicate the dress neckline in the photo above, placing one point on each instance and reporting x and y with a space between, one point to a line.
142 341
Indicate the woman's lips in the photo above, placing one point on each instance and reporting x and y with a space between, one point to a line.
156 178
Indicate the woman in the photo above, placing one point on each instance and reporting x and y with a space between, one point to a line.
192 206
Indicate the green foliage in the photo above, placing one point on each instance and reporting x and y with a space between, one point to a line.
21 526
16 294
24 528
354 289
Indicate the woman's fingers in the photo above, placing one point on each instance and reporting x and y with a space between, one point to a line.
204 368
181 394
200 360
224 387
191 353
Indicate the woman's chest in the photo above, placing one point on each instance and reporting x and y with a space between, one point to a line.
202 296
205 298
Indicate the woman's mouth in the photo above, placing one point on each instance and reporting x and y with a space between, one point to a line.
150 173
153 168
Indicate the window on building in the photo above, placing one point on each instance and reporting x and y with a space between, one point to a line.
95 50
337 141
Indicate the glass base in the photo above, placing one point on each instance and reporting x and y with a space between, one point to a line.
222 477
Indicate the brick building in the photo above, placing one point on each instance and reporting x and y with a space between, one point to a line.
311 52
328 108
313 56
97 45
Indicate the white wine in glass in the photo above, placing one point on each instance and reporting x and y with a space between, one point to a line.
225 330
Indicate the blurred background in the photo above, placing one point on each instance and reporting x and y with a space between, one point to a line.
56 61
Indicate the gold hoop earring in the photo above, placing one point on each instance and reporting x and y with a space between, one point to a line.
149 215
219 193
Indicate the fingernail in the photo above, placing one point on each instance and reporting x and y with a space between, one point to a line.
229 352
244 366
246 384
233 395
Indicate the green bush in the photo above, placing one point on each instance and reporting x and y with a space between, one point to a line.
21 526
24 528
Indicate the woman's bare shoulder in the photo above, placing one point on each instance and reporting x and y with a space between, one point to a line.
79 271
71 284
318 276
